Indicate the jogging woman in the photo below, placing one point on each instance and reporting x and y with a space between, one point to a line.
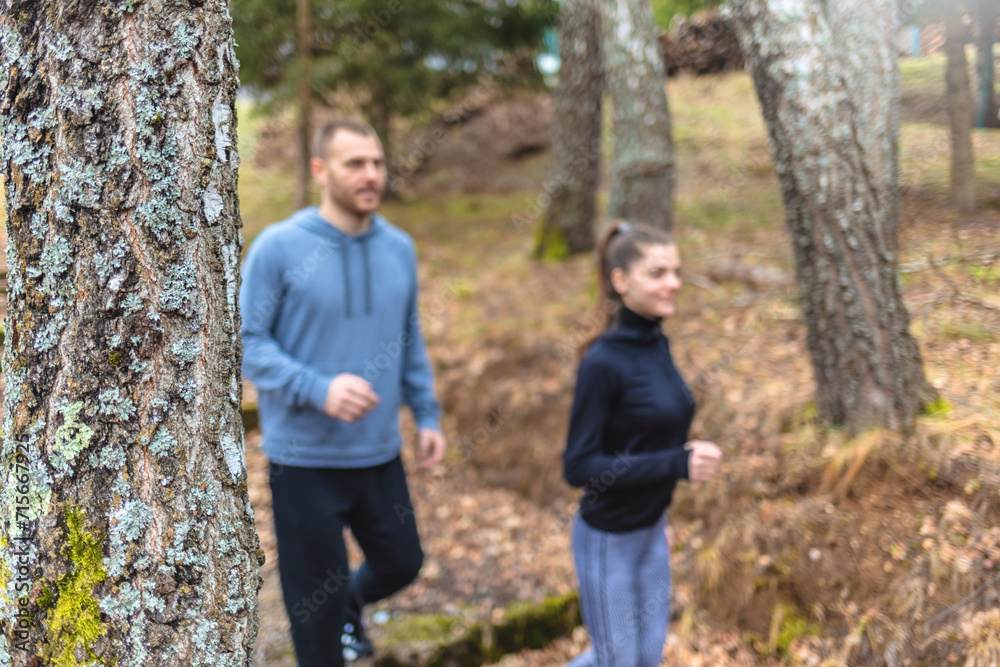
627 447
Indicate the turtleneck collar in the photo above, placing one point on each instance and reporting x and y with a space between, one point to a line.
635 327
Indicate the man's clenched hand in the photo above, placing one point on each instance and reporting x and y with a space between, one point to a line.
350 397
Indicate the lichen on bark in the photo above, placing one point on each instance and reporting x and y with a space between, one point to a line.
117 145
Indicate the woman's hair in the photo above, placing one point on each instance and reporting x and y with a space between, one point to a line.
619 247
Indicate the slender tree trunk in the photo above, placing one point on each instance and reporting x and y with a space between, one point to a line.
126 536
303 32
642 186
568 224
963 180
827 80
381 119
986 22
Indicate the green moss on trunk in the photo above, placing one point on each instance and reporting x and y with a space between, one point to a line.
75 621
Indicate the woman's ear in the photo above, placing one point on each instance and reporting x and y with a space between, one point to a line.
619 282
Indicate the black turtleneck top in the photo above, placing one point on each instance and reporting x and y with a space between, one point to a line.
628 426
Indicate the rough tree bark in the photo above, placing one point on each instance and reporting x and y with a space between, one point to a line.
303 31
960 114
828 83
126 536
642 185
567 226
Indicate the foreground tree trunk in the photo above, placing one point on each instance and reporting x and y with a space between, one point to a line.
303 131
960 114
642 186
828 84
568 224
126 536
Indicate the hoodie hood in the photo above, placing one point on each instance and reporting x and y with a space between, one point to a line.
311 220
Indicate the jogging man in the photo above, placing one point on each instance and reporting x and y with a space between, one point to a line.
332 341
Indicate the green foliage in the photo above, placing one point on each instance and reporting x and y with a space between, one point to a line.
665 10
393 56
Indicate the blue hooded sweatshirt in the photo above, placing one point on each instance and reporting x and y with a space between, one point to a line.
317 302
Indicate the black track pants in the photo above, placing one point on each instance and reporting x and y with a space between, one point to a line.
312 506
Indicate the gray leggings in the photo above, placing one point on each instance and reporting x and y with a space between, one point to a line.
624 594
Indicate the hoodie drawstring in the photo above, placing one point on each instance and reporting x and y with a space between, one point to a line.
344 255
368 277
347 278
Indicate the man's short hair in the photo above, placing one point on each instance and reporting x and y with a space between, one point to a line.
321 143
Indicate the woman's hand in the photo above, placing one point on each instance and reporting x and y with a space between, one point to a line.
704 460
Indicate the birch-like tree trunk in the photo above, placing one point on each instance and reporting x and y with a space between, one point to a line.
960 113
642 173
126 536
568 226
826 76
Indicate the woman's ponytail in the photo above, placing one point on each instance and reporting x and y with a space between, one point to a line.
619 247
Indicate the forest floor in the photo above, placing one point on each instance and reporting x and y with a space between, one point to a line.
813 548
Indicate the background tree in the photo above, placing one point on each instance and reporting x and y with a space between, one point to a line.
985 32
126 536
642 171
303 134
392 58
960 109
568 224
828 82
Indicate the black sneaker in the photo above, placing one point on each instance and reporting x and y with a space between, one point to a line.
356 644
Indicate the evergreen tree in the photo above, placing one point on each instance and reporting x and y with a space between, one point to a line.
394 56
